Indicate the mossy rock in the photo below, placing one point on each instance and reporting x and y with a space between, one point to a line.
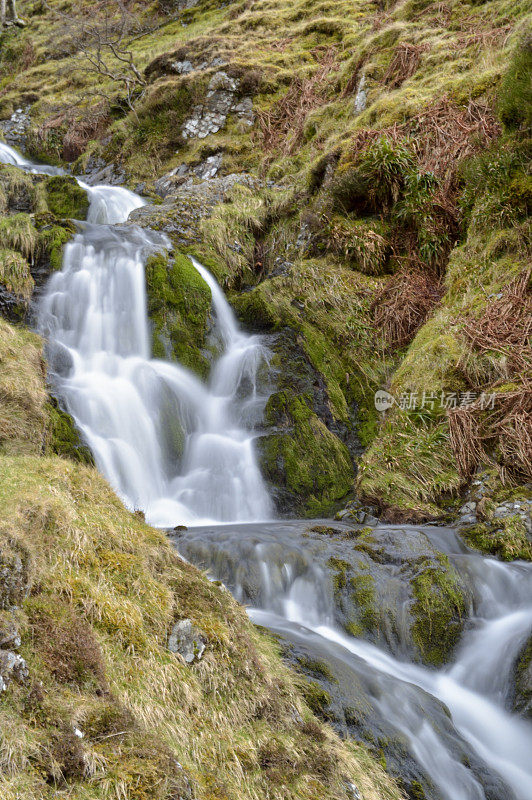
64 437
523 681
179 307
439 610
506 538
307 464
65 198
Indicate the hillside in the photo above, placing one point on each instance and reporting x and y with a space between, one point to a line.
356 176
379 221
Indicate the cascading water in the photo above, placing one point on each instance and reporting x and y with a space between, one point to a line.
179 450
183 451
483 752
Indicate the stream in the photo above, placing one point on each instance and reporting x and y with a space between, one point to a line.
183 451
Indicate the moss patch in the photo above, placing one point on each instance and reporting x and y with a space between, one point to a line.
439 611
304 458
65 198
179 305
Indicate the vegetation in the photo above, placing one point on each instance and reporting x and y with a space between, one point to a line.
179 306
106 708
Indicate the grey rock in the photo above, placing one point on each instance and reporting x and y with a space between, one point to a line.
186 640
361 96
12 667
186 205
14 577
353 792
9 636
110 174
523 681
221 100
182 67
16 127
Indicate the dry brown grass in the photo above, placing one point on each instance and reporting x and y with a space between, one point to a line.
501 436
76 128
442 135
404 304
404 64
281 126
505 326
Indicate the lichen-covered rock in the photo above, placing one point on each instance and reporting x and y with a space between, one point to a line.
186 640
221 100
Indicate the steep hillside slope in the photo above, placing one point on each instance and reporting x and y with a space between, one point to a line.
95 704
378 224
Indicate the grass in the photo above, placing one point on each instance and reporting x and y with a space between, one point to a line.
97 592
428 183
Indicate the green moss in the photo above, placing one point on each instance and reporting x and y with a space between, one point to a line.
439 611
65 198
340 569
363 596
315 696
64 438
304 458
179 305
52 240
506 538
318 668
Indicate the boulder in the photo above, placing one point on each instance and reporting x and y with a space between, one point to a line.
186 640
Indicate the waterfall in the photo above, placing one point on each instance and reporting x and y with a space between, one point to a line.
178 449
446 717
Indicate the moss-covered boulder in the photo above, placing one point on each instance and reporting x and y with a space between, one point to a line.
308 466
65 198
179 307
392 586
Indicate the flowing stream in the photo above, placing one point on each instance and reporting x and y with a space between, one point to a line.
183 452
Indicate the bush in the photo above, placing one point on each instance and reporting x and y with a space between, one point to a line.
375 181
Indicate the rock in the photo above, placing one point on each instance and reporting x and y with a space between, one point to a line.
221 99
16 127
98 171
381 579
186 640
9 636
14 573
184 175
523 681
13 307
12 666
361 96
353 792
185 206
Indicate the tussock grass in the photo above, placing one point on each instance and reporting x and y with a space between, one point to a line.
98 595
126 584
23 396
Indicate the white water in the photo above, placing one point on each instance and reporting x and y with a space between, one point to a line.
273 573
183 451
180 450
